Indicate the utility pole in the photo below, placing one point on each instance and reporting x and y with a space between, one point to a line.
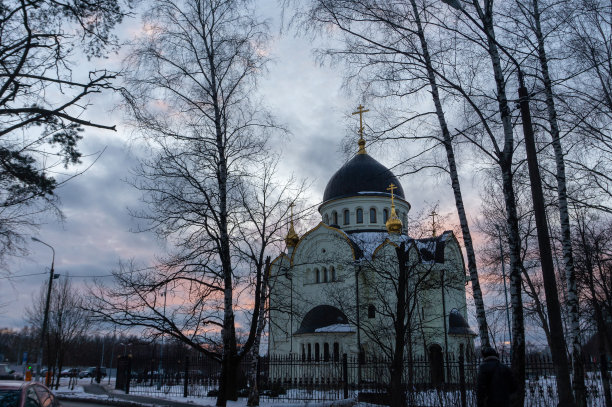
46 315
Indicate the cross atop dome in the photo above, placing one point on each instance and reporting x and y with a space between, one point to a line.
360 111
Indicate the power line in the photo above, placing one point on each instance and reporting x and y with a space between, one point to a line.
23 275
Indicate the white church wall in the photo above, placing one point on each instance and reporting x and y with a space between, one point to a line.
365 203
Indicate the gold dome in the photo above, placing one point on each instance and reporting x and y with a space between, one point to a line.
292 238
394 224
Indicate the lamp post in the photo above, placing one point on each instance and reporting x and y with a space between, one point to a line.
161 348
357 265
46 315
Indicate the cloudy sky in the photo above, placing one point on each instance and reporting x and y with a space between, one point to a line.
306 97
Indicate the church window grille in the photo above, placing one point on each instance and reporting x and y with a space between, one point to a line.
317 276
333 273
336 351
309 352
324 275
372 215
347 217
385 215
359 215
371 311
326 352
317 352
335 217
326 219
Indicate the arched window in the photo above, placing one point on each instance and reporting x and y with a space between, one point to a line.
326 219
333 273
347 217
326 352
309 352
317 352
317 276
372 215
335 217
324 275
303 353
336 352
385 215
359 215
371 311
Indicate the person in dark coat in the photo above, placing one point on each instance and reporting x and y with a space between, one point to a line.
495 381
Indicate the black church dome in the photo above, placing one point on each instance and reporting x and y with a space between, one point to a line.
362 175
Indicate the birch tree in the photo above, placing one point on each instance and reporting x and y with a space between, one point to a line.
208 182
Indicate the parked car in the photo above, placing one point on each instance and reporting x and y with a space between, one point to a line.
30 394
91 372
72 372
6 373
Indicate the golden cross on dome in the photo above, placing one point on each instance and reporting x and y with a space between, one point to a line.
360 111
433 215
391 188
291 205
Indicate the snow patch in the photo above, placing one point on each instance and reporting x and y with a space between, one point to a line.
336 328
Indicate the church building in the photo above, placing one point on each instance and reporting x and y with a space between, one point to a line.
334 290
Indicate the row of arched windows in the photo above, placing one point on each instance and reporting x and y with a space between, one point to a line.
308 354
359 215
324 275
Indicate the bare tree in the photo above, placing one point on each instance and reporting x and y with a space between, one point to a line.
42 99
593 243
209 185
69 321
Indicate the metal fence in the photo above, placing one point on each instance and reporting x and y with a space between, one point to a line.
291 378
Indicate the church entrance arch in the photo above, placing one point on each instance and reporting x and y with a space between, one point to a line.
436 365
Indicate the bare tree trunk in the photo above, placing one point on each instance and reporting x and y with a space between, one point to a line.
253 399
566 240
397 364
452 169
505 163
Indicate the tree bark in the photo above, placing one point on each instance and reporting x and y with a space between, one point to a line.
505 163
397 392
566 240
557 349
456 186
253 399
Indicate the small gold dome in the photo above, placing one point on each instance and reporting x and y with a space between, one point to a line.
292 238
394 224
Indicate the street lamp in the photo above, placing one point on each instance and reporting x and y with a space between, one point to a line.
161 348
46 315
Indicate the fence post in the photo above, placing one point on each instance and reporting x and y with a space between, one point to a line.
128 374
186 380
462 377
603 365
345 374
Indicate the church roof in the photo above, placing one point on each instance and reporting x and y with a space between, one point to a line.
362 175
457 325
322 316
431 249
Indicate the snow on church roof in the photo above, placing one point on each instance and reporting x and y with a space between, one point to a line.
431 249
335 328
